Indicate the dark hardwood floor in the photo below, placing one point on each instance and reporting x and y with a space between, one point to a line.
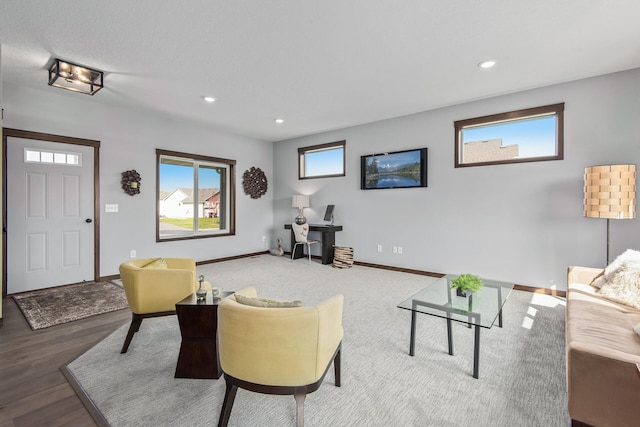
33 390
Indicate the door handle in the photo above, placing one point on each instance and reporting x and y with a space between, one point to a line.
88 220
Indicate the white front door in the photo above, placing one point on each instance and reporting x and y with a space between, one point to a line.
50 212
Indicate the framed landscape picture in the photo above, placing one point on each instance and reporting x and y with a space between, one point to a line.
398 169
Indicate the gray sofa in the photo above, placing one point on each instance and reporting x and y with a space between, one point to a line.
602 348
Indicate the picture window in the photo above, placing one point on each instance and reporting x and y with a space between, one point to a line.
196 196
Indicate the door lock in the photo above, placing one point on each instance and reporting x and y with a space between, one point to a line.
88 220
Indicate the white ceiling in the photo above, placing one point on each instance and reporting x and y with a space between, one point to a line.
320 65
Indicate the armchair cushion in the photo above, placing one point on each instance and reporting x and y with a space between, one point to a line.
159 263
266 302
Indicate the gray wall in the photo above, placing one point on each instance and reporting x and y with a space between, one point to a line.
128 141
518 222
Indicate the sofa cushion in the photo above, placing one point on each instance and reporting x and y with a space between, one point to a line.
266 303
159 263
600 326
621 279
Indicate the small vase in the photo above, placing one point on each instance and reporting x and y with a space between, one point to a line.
463 292
201 293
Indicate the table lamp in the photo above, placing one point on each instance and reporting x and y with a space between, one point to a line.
610 192
300 201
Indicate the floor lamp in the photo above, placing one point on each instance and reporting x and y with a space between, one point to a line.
610 192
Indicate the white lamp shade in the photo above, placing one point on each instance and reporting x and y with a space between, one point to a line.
300 201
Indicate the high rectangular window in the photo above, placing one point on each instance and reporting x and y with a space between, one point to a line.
322 161
196 196
529 135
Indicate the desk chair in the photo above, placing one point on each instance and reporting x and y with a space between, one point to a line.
301 231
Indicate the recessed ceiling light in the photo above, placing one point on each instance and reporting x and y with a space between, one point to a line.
279 121
209 99
487 64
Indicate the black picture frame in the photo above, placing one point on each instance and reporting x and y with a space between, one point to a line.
397 169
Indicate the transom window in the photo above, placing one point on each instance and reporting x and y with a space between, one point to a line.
529 135
196 196
322 161
32 155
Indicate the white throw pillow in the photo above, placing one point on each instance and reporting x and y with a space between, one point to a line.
621 279
627 256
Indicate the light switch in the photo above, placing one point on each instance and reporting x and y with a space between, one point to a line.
110 208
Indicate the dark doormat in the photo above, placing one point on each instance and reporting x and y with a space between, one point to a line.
54 306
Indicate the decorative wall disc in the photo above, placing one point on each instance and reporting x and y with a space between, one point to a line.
131 182
254 182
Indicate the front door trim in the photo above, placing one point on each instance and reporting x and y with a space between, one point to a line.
16 133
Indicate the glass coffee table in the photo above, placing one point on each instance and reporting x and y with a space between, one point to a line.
479 310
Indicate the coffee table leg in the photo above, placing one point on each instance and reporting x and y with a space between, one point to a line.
412 342
500 302
476 353
449 336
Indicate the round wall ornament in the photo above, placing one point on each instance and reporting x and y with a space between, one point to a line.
131 182
254 182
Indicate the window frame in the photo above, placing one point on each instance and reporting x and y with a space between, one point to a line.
555 110
302 151
231 164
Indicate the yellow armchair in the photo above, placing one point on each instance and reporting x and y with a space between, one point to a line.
153 292
278 350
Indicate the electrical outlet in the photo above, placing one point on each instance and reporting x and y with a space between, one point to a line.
399 250
395 249
132 254
379 248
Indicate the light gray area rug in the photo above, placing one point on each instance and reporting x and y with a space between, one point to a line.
55 306
522 376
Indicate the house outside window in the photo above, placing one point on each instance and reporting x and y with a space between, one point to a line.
196 196
529 135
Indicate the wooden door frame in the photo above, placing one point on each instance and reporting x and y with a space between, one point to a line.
16 133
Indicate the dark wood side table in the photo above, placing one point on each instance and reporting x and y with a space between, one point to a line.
199 348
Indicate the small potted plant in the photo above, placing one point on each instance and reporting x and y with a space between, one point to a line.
466 284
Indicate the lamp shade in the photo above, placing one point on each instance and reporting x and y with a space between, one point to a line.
610 192
74 77
300 201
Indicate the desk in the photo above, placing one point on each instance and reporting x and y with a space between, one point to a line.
328 240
